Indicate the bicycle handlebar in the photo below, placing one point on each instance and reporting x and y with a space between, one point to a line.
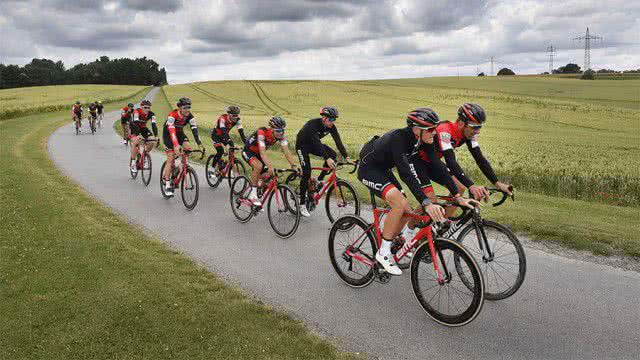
504 195
187 152
352 163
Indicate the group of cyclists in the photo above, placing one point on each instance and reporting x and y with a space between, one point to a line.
414 151
95 114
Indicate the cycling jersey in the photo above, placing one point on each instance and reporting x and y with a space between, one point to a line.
449 137
76 110
174 126
224 124
100 108
93 109
125 115
308 138
140 120
379 156
264 137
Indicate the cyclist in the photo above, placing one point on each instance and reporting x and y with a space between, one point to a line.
93 112
139 129
76 115
100 112
466 130
174 138
308 142
255 152
379 156
125 118
220 133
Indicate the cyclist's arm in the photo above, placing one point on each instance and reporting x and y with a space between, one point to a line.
439 168
336 137
241 132
284 143
172 131
194 130
262 146
454 167
154 126
407 172
481 161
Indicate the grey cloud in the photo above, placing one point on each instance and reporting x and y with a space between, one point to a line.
152 5
294 10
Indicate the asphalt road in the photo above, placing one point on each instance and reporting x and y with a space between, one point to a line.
566 309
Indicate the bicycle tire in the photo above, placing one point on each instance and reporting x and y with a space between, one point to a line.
343 187
240 190
241 170
164 194
134 174
493 273
282 207
337 252
422 260
215 179
147 169
190 179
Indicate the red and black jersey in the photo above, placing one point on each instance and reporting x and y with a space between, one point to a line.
224 124
175 125
141 119
76 110
449 137
265 137
126 113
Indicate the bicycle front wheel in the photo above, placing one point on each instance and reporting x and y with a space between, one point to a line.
212 173
341 200
190 189
447 299
283 218
352 250
134 174
146 169
503 262
238 194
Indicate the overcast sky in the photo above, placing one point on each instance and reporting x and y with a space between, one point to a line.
315 39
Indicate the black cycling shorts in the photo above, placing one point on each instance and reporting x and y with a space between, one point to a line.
166 138
124 120
218 141
247 155
379 181
144 131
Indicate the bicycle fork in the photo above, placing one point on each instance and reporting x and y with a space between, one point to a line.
483 243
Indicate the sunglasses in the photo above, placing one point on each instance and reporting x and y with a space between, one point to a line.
146 107
474 126
332 119
279 130
186 107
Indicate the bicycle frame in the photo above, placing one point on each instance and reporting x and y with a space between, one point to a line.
271 187
231 162
332 181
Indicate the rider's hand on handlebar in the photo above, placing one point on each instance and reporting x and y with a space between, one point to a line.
295 168
479 192
178 150
470 203
270 171
331 163
435 212
506 188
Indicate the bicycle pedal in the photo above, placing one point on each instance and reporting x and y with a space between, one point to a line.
383 277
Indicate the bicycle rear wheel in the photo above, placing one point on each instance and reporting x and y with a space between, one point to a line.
238 194
451 301
352 250
134 174
212 173
283 219
190 189
505 270
341 200
236 169
146 169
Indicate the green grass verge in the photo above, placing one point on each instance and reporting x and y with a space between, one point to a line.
79 282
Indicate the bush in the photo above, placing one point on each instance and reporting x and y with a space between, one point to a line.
588 75
505 71
481 74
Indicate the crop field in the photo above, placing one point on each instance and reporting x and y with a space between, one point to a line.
31 100
554 136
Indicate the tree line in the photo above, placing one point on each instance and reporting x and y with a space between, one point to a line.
125 71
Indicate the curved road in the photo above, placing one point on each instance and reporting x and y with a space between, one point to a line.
566 308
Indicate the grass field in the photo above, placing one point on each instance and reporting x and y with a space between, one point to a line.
31 100
78 282
569 146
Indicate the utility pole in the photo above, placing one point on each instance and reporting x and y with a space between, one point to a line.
551 51
492 73
587 47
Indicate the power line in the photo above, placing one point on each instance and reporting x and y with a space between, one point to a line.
551 52
587 47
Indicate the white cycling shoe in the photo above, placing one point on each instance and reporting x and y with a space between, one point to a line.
304 212
253 197
168 188
387 263
134 166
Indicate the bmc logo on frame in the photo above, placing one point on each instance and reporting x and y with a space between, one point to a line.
372 185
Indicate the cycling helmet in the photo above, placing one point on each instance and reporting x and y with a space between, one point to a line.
184 101
130 105
423 118
232 109
472 113
145 103
77 102
99 102
277 122
329 111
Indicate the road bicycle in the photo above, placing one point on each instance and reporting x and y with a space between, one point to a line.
283 206
185 177
496 248
92 123
214 173
77 124
445 278
100 118
143 162
341 199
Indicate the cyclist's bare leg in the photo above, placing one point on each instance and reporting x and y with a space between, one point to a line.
134 149
256 169
169 167
431 194
150 143
395 221
125 131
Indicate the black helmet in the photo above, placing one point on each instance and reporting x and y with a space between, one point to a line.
77 102
423 118
277 122
145 103
184 101
232 109
472 113
130 105
329 111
